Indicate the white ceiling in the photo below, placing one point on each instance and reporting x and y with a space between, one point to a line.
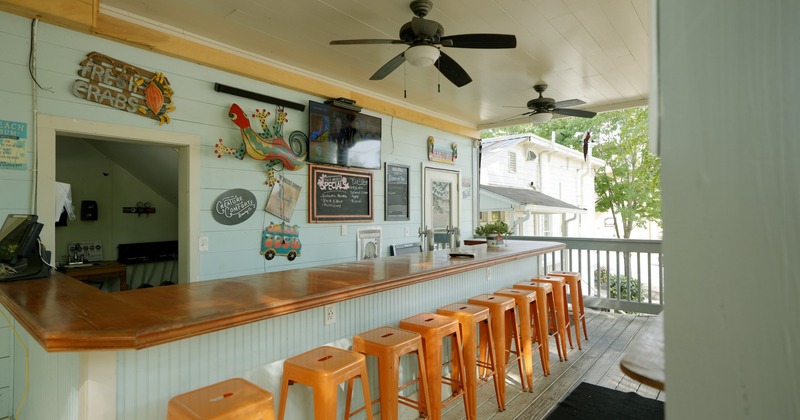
593 50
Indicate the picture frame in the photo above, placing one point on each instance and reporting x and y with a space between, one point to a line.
396 193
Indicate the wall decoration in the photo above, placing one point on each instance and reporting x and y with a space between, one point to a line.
397 177
234 206
12 145
369 243
117 84
282 240
283 198
142 207
339 195
441 154
466 187
268 145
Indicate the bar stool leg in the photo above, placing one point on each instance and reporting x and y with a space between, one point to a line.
324 399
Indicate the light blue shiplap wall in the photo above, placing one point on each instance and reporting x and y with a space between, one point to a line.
233 250
147 378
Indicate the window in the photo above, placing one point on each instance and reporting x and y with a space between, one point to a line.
512 162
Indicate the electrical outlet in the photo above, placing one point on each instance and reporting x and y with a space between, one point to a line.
344 230
330 314
203 243
488 273
407 231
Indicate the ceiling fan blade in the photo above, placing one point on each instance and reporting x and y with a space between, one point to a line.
575 112
486 41
569 103
452 71
389 67
366 41
513 117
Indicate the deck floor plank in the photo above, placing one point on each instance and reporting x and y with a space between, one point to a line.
598 363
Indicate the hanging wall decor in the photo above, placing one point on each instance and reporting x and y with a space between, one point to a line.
234 206
268 145
441 154
117 84
282 240
283 198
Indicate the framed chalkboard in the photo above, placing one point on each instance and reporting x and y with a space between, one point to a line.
339 195
397 192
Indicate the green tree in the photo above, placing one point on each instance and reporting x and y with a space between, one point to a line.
628 186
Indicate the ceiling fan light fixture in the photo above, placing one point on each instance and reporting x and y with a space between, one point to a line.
541 117
422 55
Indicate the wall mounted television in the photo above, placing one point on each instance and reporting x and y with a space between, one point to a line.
338 136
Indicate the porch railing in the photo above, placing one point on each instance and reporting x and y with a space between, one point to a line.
621 274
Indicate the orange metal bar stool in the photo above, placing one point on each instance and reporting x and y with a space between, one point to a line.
470 317
560 294
546 305
504 323
528 318
434 328
388 344
573 279
323 369
234 398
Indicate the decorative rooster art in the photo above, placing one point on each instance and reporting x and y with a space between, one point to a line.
268 145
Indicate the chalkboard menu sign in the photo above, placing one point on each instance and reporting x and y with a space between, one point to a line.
339 195
397 192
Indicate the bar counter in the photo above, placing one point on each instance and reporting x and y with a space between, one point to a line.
64 314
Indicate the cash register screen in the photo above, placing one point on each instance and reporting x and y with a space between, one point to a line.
18 237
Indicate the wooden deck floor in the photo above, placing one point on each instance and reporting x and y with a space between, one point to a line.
597 363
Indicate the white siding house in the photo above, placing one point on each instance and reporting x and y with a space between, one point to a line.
539 187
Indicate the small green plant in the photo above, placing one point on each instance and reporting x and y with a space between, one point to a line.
493 228
628 286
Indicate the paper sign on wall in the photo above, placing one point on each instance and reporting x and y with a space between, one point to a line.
12 145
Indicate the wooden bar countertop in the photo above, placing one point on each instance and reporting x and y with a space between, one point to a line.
64 314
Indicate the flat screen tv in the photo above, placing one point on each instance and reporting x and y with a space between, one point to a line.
18 237
338 136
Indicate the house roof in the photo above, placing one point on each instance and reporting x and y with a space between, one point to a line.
523 199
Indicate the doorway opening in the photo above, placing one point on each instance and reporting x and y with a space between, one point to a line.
53 129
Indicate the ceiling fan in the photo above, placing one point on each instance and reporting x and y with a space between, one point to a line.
542 109
424 37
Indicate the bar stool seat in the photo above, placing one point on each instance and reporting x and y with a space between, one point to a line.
573 279
234 398
434 328
504 324
546 305
470 317
323 369
560 295
529 327
388 344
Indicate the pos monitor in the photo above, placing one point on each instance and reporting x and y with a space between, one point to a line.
19 251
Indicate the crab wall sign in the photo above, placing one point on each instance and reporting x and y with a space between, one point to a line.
268 145
117 84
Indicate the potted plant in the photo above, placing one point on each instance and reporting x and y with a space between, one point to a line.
493 232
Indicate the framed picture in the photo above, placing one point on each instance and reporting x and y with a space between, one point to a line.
283 199
396 192
339 195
